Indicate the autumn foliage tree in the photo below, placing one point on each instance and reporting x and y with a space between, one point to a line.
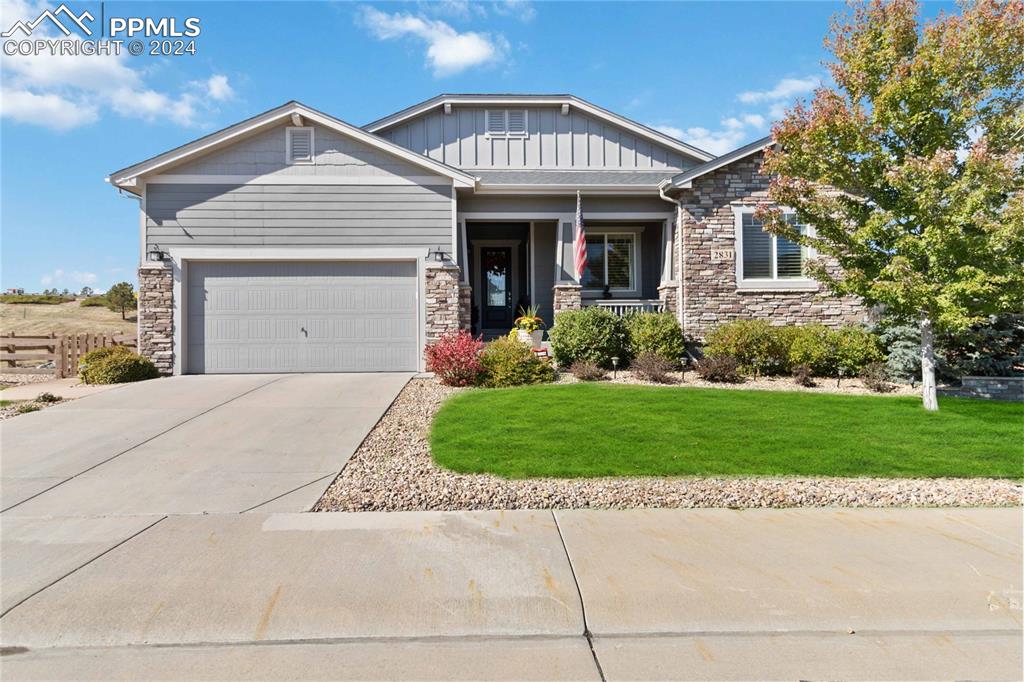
911 168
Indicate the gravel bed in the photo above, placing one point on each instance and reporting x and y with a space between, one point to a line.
393 471
690 379
19 379
12 410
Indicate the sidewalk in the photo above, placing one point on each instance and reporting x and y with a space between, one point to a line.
656 594
69 389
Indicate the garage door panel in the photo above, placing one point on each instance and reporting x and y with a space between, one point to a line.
302 317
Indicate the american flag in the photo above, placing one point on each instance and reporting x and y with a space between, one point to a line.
580 241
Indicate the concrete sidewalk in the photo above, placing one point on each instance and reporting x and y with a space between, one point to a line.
688 594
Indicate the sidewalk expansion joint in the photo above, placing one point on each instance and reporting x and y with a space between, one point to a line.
583 607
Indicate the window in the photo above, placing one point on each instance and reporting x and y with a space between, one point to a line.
299 145
611 262
505 122
766 256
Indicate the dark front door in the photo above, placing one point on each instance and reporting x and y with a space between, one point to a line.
496 287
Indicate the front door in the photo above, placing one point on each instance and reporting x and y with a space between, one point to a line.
496 285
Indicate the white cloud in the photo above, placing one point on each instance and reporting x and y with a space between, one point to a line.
66 91
50 110
522 10
785 89
671 131
448 51
754 120
733 132
77 278
217 87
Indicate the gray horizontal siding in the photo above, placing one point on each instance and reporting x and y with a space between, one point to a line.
306 215
592 206
335 154
554 141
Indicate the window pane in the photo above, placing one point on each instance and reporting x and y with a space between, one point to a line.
757 250
620 262
790 255
593 275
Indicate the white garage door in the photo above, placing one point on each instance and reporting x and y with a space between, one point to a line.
301 317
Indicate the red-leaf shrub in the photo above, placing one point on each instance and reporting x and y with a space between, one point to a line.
455 359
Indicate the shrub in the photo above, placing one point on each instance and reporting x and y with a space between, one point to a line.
855 348
24 408
876 378
587 371
720 369
592 334
655 333
115 365
48 398
94 302
49 299
804 376
508 362
810 346
455 359
653 367
758 347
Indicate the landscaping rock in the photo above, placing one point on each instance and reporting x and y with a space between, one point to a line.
393 471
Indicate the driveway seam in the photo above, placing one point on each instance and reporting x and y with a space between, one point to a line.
78 568
583 607
363 440
289 492
140 444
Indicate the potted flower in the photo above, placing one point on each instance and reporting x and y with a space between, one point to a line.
529 326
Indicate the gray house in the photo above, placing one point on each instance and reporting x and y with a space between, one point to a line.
295 242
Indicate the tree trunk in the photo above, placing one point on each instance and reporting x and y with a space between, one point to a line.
928 393
122 313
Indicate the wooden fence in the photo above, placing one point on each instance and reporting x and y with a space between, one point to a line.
52 354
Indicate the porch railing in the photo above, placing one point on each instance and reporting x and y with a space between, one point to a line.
625 307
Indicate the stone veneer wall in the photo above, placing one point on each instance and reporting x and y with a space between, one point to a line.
668 293
442 300
567 297
712 297
465 306
156 315
992 388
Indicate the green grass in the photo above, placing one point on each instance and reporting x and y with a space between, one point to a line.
8 403
587 430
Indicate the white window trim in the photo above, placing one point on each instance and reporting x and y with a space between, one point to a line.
798 284
504 117
634 234
288 146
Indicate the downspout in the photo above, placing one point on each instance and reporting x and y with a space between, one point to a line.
682 251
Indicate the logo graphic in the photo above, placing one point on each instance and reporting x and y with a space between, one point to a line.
28 27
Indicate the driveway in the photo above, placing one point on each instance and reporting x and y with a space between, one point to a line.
189 445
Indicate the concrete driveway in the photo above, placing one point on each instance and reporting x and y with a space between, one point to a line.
188 445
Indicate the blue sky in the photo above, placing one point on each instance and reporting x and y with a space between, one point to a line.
713 74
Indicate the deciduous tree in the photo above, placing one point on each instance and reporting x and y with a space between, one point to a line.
911 167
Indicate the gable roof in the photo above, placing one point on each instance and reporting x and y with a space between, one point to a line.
537 100
685 179
126 177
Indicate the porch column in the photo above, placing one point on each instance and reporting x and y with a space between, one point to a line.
568 294
442 299
668 289
156 315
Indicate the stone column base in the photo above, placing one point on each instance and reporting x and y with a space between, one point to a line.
156 315
668 292
465 306
567 297
441 300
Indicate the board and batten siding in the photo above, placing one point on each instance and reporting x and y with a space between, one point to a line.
298 215
553 140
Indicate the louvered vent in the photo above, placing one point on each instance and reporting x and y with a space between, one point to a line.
517 122
496 122
300 145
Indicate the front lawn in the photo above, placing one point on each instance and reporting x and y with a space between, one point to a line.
586 430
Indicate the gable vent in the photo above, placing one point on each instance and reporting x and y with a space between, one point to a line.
300 145
516 122
496 122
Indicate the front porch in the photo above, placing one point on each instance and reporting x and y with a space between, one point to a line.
508 264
